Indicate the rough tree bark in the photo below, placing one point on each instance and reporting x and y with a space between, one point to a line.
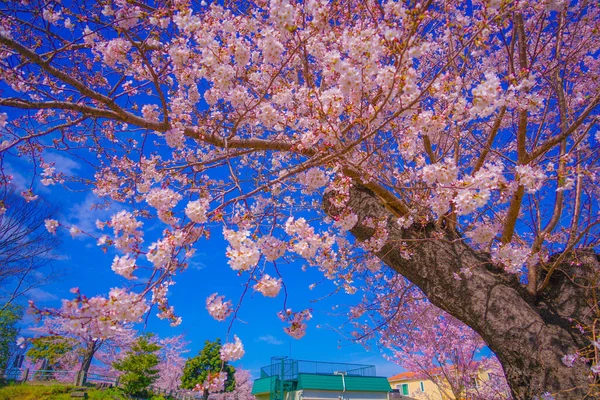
528 334
88 356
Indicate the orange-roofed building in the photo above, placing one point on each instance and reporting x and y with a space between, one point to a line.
414 385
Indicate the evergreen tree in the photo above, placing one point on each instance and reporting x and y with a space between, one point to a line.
139 366
207 363
9 316
50 348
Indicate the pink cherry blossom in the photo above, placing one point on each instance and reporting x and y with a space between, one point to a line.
268 286
124 266
196 210
232 351
51 225
218 309
297 328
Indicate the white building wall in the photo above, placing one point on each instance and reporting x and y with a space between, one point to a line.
309 394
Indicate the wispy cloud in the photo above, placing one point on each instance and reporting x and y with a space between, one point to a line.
382 366
37 294
195 262
270 339
62 164
84 214
20 182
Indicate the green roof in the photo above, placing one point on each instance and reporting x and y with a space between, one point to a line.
334 382
264 385
327 382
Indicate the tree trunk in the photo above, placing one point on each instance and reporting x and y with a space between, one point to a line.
92 346
529 335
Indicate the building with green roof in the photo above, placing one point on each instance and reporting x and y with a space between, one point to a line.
288 379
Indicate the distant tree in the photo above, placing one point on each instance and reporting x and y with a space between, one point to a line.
139 366
435 346
207 372
172 362
9 316
25 244
90 342
51 349
243 387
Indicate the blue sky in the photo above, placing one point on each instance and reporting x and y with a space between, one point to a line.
84 265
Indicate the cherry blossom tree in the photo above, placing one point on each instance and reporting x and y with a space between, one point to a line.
432 344
452 144
87 343
172 362
242 390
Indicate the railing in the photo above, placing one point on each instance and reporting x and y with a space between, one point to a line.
99 378
286 368
51 375
177 394
25 374
12 374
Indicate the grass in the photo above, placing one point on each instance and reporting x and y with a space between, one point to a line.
54 392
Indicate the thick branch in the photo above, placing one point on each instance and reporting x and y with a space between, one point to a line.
80 86
528 339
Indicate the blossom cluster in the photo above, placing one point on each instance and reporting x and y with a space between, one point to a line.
217 308
196 210
214 383
114 51
297 328
346 220
126 228
307 241
160 253
52 16
98 316
313 179
243 252
531 178
232 351
485 95
162 199
51 225
271 247
268 286
28 195
48 174
124 266
511 256
483 232
159 297
443 173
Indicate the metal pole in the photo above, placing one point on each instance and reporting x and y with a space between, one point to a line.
342 373
281 380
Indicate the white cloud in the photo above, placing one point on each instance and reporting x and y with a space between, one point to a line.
270 339
195 262
383 367
84 214
62 164
20 182
37 294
